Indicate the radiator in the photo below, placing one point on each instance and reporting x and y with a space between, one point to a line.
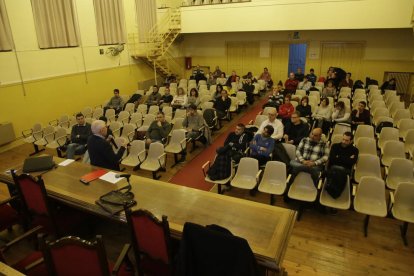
6 133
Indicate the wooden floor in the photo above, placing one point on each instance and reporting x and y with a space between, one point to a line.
321 244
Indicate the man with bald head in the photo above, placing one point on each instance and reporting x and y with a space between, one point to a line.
311 155
100 151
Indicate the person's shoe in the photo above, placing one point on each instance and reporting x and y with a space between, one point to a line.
182 159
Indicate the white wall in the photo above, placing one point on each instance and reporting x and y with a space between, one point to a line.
277 15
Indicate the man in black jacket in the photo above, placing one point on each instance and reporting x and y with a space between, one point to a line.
295 130
100 151
237 142
344 154
78 137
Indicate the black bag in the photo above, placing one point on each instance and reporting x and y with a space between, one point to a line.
382 125
280 154
209 116
221 168
335 181
115 201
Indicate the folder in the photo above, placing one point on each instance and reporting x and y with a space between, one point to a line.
92 176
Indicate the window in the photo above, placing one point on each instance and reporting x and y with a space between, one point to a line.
6 41
55 23
109 15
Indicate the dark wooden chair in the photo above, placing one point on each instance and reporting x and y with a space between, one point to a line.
8 215
74 256
29 264
151 242
38 210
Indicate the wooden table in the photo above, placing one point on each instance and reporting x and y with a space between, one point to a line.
266 228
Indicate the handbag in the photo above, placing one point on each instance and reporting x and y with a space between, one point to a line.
116 201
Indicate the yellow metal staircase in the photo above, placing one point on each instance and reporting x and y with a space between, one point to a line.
155 52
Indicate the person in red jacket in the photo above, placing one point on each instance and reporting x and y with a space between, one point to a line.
286 110
291 83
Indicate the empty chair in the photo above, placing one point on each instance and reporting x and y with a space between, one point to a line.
303 189
97 113
290 149
399 115
392 99
364 131
67 256
343 202
156 159
274 179
130 108
59 140
241 97
87 112
409 141
128 132
48 136
301 93
151 242
403 207
32 135
178 124
234 105
247 174
142 108
396 106
123 117
411 108
110 114
341 128
136 119
136 154
379 112
179 113
337 138
168 111
370 199
400 170
404 126
148 119
367 165
177 143
377 103
366 145
387 134
154 109
391 150
116 128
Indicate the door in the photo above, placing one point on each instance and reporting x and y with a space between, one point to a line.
297 57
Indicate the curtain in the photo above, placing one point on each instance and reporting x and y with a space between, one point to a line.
109 15
55 23
147 17
6 41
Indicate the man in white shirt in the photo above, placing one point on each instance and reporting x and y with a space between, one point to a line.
275 123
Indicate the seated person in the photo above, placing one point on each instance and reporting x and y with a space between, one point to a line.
304 108
291 84
295 130
311 76
285 110
198 74
388 85
323 115
78 137
343 155
236 143
116 102
262 145
277 125
231 79
311 156
193 98
305 85
275 98
216 73
329 90
299 76
217 93
266 77
341 114
100 151
222 79
193 122
158 130
248 87
167 98
179 100
222 105
155 97
360 116
347 82
249 76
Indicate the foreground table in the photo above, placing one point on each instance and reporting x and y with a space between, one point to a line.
266 228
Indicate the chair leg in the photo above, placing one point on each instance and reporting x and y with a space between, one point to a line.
154 175
37 150
366 221
300 212
175 160
403 230
272 199
219 191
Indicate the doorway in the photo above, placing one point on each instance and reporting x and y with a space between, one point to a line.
297 57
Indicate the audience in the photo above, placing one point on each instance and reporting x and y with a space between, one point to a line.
305 85
262 145
329 90
78 137
193 123
277 125
295 130
304 108
179 100
216 73
248 87
222 105
285 110
167 98
360 116
388 85
311 76
236 143
266 77
347 82
193 98
158 130
231 79
322 115
341 114
116 102
291 84
276 97
299 76
155 97
344 155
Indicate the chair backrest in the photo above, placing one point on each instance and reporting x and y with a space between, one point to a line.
129 107
369 188
381 111
110 114
148 119
291 150
155 150
150 236
115 127
275 170
123 117
180 113
168 111
403 199
128 131
68 256
366 145
178 123
367 164
405 125
387 134
33 194
142 108
364 131
394 149
400 114
136 147
177 135
248 166
98 112
136 119
87 111
154 109
401 169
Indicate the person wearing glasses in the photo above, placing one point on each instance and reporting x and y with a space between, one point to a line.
262 145
275 123
295 130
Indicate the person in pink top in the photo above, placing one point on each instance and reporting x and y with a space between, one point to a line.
266 77
286 110
291 83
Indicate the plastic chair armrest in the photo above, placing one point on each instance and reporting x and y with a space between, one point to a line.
183 143
121 258
140 154
288 178
203 168
27 132
159 159
258 175
250 122
320 184
386 171
54 122
354 189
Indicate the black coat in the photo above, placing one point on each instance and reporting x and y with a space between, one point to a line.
102 154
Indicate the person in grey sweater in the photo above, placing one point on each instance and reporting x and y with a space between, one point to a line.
158 130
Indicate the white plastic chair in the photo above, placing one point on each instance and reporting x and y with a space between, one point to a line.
59 140
403 207
179 113
241 97
387 134
366 145
110 115
303 189
148 119
391 150
128 132
399 115
154 109
97 113
400 170
291 150
177 144
130 108
409 141
136 119
343 202
123 117
48 136
156 159
274 179
247 174
116 128
396 106
87 112
364 131
370 199
142 108
367 165
404 126
32 135
136 154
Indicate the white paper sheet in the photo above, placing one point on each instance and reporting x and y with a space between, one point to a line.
110 177
66 162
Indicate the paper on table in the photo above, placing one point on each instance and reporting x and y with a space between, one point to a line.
66 162
110 177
